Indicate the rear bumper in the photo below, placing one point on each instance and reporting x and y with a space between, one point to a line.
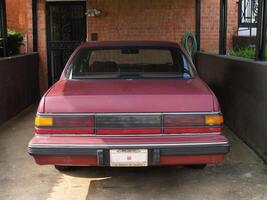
162 150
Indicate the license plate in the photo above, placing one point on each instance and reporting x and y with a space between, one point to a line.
128 157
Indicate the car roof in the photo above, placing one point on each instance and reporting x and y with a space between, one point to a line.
110 44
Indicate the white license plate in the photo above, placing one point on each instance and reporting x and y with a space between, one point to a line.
128 157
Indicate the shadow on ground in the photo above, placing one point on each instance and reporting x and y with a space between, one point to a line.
242 176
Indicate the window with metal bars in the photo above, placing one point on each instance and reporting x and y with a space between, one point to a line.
248 13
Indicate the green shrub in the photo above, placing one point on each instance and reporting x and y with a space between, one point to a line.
14 40
244 53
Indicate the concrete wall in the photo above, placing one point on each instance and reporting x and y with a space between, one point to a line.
19 84
241 86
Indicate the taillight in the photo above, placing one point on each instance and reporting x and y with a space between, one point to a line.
214 120
64 124
183 120
44 121
192 123
129 124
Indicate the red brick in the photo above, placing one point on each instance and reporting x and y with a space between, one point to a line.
132 20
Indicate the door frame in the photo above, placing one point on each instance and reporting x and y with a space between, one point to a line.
48 31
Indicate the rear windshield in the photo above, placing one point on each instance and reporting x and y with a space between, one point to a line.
129 63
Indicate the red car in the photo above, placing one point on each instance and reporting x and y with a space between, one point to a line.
124 104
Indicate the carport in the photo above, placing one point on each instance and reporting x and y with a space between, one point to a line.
240 85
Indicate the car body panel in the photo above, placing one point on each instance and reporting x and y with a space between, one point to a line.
130 140
130 96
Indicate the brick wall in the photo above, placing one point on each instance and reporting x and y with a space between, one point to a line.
41 21
29 25
210 16
141 20
16 11
232 21
160 20
210 22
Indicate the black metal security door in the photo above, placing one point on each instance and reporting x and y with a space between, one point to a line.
66 29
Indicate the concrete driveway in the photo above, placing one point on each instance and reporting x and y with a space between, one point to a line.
242 176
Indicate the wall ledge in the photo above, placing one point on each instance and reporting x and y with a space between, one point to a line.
18 56
234 58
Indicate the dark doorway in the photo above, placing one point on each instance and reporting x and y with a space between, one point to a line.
66 29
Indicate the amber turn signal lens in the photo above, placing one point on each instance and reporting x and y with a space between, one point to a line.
43 121
214 120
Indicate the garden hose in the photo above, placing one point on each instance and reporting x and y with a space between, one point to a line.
189 42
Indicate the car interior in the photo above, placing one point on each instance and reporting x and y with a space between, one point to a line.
128 62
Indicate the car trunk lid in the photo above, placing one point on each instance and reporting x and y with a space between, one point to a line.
129 96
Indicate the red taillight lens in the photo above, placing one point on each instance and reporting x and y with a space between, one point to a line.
64 125
192 123
193 130
183 120
74 122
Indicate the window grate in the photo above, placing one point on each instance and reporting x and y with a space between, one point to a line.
248 13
